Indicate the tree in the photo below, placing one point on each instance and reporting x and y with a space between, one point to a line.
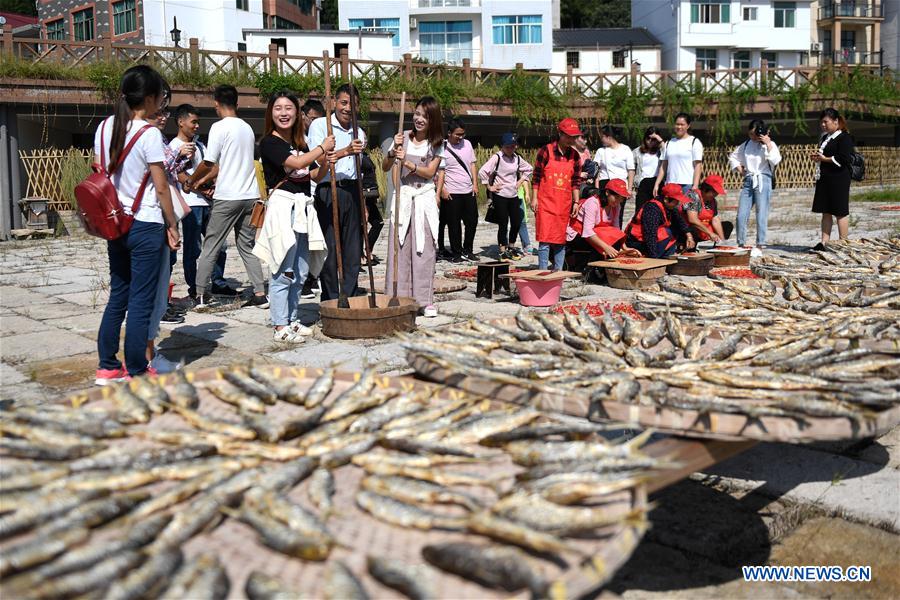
329 14
582 14
22 7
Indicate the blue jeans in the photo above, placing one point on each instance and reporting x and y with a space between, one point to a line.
285 286
134 261
559 255
748 198
193 229
523 228
161 299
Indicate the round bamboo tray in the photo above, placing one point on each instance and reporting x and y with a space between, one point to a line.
692 266
360 321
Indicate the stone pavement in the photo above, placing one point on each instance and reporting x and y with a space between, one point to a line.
53 291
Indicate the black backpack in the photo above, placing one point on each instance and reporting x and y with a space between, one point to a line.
369 180
857 166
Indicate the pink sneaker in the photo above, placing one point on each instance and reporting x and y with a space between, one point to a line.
150 372
108 376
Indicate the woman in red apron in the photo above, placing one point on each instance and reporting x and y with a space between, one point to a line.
702 213
592 233
557 175
658 225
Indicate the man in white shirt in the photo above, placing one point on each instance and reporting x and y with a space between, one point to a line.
349 214
755 161
190 152
231 145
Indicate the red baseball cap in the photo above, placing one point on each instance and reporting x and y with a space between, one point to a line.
618 187
570 127
715 182
673 191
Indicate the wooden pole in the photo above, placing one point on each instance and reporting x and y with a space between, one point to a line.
335 217
373 303
395 215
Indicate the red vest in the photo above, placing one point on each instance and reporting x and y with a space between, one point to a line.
705 215
635 230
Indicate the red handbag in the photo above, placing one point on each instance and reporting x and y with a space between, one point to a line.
99 208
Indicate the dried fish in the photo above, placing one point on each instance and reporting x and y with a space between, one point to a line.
203 578
495 567
342 584
321 491
412 581
260 586
148 579
406 515
417 491
320 389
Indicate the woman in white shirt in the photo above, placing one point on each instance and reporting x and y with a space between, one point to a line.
681 160
614 161
420 153
754 160
646 165
134 258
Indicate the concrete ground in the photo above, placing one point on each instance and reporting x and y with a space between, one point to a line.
775 504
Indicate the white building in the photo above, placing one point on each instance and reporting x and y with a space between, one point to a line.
360 45
605 50
727 34
854 31
490 33
217 24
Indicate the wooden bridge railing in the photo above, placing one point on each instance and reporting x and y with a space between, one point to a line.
194 59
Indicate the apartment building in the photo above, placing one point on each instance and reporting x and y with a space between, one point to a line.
490 33
727 34
605 50
217 24
850 31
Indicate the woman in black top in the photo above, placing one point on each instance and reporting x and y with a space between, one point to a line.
832 160
290 230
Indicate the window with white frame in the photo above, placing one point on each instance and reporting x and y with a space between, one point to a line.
710 11
573 59
83 25
56 30
740 60
379 26
445 41
750 13
124 17
707 58
785 15
771 59
517 29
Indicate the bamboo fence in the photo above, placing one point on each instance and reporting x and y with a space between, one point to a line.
44 168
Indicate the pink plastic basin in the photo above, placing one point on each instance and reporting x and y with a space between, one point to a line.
538 293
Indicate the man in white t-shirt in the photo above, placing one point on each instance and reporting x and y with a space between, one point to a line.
231 145
190 152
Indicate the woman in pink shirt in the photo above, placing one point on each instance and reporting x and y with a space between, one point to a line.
502 174
457 189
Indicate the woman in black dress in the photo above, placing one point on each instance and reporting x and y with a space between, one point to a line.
832 160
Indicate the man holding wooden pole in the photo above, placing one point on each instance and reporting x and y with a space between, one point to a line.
347 195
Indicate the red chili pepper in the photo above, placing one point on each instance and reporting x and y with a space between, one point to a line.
596 309
629 261
735 273
470 274
891 207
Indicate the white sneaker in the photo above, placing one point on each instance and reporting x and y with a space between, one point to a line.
430 311
287 336
163 364
300 329
756 252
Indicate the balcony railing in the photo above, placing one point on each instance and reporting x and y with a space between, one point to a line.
847 9
442 3
448 56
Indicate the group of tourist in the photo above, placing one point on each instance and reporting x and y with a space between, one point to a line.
206 192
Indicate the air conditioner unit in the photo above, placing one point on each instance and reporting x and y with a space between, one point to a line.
815 47
413 22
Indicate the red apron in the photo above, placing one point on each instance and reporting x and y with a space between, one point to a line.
705 215
664 233
554 198
605 229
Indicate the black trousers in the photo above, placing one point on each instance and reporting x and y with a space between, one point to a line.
509 218
456 211
351 237
376 221
644 192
